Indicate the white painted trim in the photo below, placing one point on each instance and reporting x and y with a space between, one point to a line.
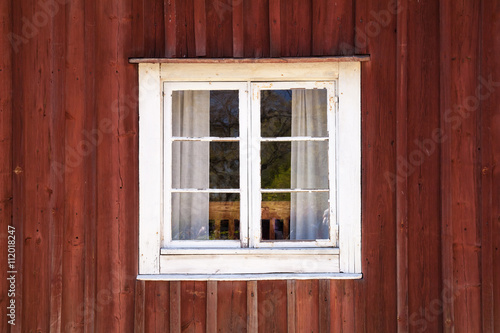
248 263
249 72
262 251
349 167
249 277
150 163
344 131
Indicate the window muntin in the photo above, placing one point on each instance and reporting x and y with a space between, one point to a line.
290 164
296 205
205 185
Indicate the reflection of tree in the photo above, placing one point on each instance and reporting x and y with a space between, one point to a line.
276 121
276 113
224 117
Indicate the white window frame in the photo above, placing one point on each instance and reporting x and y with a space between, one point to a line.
269 260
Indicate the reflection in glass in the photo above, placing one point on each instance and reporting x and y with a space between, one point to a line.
275 164
201 113
276 113
224 165
295 216
295 112
205 216
224 121
294 165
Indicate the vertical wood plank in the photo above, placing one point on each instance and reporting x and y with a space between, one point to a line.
193 306
156 308
37 223
18 160
423 150
272 305
401 187
211 307
56 152
219 28
252 310
332 27
116 169
91 185
378 199
6 159
336 301
200 28
275 27
175 307
307 304
296 28
140 313
446 225
150 313
170 28
324 305
232 306
490 175
256 28
238 28
76 168
291 306
153 23
463 189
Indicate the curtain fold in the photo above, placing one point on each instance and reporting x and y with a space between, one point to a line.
309 166
190 164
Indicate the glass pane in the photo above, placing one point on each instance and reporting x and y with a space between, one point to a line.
224 165
295 112
205 216
191 113
203 165
294 165
190 164
276 113
202 113
224 216
275 164
224 105
295 216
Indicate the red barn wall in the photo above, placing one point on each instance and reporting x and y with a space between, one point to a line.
430 155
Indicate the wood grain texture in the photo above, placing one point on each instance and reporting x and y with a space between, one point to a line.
307 306
489 129
252 307
76 229
238 29
193 306
272 306
6 162
378 199
401 186
463 189
423 157
219 28
211 307
256 28
232 306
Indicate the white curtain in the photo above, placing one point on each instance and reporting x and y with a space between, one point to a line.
190 164
309 166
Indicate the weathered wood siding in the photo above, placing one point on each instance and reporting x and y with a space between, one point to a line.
430 156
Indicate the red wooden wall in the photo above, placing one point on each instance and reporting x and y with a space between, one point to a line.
430 156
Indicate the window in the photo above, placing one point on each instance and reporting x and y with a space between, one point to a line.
249 169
